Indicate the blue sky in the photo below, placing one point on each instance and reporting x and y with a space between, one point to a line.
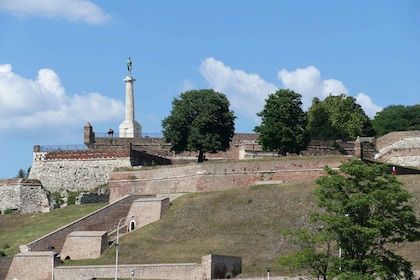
62 62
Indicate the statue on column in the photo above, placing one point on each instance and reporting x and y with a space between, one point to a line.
129 66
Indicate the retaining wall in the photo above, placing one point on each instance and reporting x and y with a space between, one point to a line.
104 219
224 175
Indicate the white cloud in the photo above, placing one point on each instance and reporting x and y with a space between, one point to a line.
246 92
307 81
72 10
367 104
42 105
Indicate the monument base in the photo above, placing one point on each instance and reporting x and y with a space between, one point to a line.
130 129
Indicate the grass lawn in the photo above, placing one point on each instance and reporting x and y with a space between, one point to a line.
19 229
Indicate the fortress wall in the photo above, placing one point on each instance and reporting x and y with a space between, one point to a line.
25 196
75 174
104 219
221 176
393 137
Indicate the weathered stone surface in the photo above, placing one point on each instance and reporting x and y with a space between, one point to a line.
75 174
24 196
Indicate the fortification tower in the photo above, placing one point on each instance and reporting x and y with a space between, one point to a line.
129 128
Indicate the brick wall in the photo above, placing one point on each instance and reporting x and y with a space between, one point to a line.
104 219
224 175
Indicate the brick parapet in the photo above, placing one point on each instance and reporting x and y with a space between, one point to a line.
223 175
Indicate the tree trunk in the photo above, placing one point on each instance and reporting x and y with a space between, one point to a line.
200 156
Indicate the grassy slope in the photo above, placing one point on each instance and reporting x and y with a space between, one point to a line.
16 229
244 222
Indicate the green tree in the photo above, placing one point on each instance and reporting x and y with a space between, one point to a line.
397 118
283 123
22 174
319 122
338 117
200 120
369 213
365 215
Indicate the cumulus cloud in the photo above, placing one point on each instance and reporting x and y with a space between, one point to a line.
72 10
43 105
367 104
308 82
246 92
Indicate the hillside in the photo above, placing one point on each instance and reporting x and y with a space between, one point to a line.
244 222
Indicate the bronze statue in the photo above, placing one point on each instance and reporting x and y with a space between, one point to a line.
129 66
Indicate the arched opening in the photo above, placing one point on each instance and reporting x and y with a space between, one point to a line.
132 225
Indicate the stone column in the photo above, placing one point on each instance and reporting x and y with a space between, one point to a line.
129 98
129 128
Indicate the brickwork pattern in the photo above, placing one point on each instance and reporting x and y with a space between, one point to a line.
104 219
210 177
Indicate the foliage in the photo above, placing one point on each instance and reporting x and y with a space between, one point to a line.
338 117
283 123
71 197
310 255
22 174
368 212
397 118
200 120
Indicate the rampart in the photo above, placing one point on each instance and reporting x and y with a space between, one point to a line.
104 219
223 175
76 170
401 148
24 196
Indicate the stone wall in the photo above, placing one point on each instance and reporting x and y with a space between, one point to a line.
223 175
74 174
23 195
400 148
5 264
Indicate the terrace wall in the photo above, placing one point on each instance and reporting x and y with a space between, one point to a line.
223 175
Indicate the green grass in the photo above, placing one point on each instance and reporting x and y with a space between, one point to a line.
19 229
245 222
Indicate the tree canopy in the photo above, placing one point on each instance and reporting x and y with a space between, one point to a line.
200 120
397 118
369 214
338 117
283 123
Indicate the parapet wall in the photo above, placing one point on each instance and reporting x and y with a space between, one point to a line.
23 195
208 176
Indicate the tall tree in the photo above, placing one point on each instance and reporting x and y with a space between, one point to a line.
369 213
200 120
283 123
397 118
338 117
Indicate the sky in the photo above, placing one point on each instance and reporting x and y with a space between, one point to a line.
62 62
